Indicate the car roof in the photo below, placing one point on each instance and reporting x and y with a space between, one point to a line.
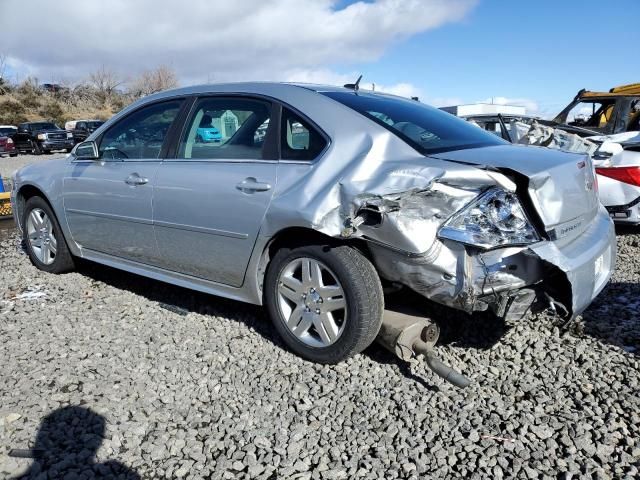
264 88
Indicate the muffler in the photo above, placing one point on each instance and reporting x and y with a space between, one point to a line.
409 335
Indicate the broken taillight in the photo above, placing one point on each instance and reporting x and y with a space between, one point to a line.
630 175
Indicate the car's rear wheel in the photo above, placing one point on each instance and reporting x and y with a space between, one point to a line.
325 301
46 246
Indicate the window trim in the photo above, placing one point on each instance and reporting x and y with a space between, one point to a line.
189 115
312 125
167 138
277 107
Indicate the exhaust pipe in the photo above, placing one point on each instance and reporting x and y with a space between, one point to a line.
410 335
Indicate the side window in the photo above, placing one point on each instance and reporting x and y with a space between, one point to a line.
299 140
140 134
226 128
81 126
592 114
633 125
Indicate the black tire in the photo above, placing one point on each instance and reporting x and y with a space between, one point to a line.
13 154
35 148
63 261
68 150
362 291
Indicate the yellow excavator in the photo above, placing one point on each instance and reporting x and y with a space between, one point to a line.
606 113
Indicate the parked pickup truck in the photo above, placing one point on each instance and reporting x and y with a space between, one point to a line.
81 129
42 137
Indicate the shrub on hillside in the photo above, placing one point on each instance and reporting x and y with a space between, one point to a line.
12 112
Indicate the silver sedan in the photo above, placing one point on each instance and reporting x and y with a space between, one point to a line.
313 199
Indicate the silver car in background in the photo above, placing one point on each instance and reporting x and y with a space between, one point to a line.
316 196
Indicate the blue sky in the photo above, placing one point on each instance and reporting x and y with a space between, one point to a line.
544 51
538 53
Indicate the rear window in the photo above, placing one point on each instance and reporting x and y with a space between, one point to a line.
427 129
44 126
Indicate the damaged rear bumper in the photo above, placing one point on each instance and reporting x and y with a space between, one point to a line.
510 281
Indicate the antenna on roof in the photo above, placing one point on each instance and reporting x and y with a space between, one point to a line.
354 86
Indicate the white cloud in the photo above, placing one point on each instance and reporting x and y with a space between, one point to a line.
212 41
329 77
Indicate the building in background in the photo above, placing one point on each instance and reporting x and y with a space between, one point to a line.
484 109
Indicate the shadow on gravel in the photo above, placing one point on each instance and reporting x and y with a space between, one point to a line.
456 328
380 355
183 300
614 317
622 230
480 331
66 445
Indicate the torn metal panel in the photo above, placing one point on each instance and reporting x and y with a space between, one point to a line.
585 264
457 276
397 203
546 136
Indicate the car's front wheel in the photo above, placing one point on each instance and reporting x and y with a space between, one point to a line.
45 244
325 301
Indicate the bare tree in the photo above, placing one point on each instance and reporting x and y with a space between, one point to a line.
105 82
152 81
3 65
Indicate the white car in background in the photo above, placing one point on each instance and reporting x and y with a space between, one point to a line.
606 125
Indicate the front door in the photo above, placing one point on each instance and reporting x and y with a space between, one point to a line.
108 202
209 202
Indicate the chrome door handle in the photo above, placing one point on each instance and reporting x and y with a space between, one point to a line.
251 185
135 179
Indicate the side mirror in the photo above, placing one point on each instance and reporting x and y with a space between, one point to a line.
87 151
607 150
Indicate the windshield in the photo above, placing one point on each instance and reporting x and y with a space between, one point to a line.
94 125
44 126
7 131
425 128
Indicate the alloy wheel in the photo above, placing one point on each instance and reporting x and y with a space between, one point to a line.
312 302
41 238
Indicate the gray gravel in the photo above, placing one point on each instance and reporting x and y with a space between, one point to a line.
102 380
8 165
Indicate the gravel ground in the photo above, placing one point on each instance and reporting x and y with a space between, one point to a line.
8 165
100 379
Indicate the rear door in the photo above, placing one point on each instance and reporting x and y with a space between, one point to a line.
210 200
108 202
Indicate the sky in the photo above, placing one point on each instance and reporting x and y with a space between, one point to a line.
536 54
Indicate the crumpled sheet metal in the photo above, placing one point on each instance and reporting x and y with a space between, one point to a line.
398 207
577 263
411 196
450 275
545 136
411 203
